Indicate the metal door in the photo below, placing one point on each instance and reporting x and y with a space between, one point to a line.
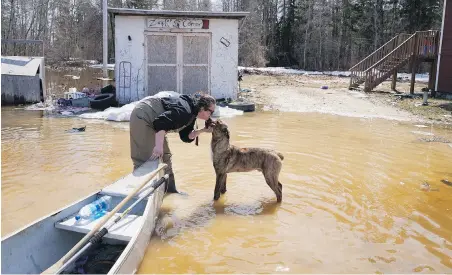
178 62
195 63
162 69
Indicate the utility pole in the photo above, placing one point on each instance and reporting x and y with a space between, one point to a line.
105 40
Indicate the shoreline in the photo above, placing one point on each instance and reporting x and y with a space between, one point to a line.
304 93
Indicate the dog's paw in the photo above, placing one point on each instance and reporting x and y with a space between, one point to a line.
216 197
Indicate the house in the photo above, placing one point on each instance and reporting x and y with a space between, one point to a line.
432 46
23 80
181 51
444 69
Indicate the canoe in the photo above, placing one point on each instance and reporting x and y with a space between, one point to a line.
38 246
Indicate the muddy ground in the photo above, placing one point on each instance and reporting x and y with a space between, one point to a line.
298 93
304 93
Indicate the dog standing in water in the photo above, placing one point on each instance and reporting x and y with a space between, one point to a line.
228 158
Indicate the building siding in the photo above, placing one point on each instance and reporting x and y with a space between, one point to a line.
224 59
21 89
444 83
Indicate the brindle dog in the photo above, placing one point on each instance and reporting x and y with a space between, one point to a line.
228 158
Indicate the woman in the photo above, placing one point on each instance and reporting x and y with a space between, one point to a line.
153 117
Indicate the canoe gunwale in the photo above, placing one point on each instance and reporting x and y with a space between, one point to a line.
133 254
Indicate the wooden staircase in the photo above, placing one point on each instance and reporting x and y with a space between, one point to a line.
419 47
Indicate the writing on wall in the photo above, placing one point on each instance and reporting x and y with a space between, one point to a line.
177 23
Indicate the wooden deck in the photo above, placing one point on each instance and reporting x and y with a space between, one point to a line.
401 50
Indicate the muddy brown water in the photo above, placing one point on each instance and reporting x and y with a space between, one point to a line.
61 79
352 196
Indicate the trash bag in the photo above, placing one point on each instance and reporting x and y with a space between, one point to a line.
98 260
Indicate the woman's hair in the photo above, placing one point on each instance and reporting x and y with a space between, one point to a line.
204 101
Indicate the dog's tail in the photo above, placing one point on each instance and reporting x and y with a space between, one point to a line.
281 156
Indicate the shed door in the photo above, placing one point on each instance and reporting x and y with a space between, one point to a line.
178 62
162 63
195 67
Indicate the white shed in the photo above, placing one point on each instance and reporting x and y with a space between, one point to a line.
177 51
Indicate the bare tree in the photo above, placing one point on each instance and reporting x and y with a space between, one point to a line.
309 34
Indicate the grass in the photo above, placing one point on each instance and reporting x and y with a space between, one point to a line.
437 109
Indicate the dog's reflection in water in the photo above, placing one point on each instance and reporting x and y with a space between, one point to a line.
170 223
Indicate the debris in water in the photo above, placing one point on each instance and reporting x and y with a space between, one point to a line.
245 90
280 268
56 107
75 130
422 133
446 182
67 113
434 139
425 186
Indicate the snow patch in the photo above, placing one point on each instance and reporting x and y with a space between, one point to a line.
282 71
123 113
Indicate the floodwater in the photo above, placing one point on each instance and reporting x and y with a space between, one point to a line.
60 80
353 193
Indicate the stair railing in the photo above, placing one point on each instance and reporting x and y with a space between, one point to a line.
357 72
400 54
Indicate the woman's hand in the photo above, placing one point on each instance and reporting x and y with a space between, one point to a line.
157 152
158 149
196 133
208 130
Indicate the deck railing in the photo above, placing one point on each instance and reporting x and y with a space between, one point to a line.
379 65
357 75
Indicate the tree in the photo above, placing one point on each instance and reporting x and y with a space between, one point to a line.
308 34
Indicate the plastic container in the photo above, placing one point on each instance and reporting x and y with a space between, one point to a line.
94 210
73 94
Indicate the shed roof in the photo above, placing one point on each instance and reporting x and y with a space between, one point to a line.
21 65
186 14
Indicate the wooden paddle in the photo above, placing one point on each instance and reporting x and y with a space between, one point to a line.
145 179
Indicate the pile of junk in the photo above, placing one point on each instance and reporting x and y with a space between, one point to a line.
85 99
